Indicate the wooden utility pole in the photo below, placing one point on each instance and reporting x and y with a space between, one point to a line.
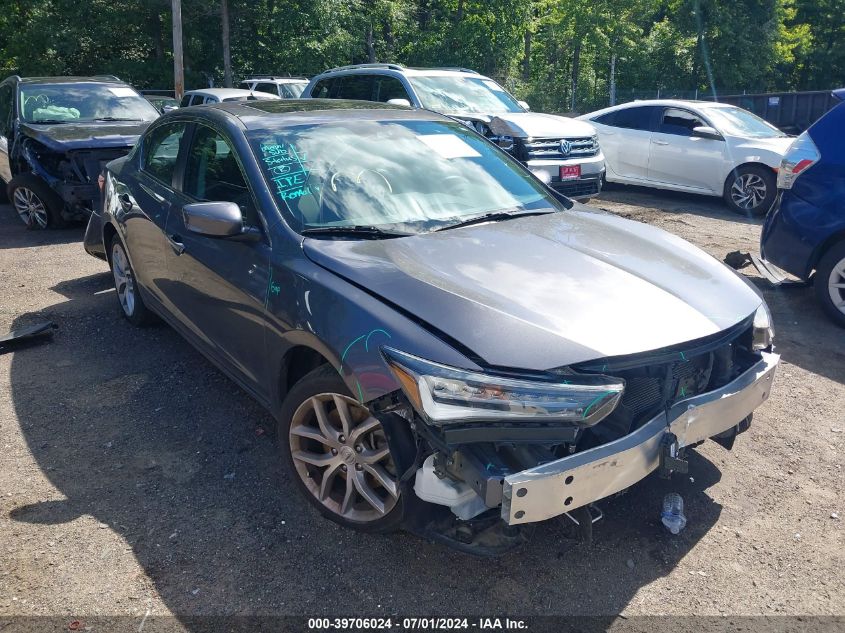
178 67
227 49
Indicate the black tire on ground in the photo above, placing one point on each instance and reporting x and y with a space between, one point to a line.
28 191
326 380
132 306
750 190
831 270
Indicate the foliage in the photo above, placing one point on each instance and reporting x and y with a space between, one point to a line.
556 53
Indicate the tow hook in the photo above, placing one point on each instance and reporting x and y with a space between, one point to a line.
670 457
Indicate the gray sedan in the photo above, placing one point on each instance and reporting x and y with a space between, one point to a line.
447 345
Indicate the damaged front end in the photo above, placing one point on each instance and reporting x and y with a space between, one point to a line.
508 451
72 174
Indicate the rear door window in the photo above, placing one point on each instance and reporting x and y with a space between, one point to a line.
636 118
161 151
271 88
7 98
185 102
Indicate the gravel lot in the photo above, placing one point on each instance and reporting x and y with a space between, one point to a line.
134 479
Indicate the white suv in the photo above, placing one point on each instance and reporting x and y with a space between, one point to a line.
561 151
285 87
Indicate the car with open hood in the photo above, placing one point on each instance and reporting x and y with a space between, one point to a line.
446 343
562 152
56 133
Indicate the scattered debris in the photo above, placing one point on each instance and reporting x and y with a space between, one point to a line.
629 563
24 333
259 431
74 625
229 476
195 591
737 260
833 515
797 536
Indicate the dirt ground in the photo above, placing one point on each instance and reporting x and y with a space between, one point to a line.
133 480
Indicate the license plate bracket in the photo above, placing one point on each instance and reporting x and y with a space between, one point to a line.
570 172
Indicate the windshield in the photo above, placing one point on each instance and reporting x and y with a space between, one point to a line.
452 94
739 122
79 102
409 176
293 91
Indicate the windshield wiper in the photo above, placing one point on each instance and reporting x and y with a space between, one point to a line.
50 121
495 216
114 118
355 230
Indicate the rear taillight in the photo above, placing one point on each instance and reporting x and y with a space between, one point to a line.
800 156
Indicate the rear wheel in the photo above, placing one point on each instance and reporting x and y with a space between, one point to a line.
830 282
338 454
751 190
38 206
131 304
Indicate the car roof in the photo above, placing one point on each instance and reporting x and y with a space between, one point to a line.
403 70
66 80
670 103
257 114
276 80
222 93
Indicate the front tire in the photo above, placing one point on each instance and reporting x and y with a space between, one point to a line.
830 283
338 454
38 206
131 305
750 190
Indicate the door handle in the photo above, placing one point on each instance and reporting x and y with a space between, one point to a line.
125 202
660 142
176 244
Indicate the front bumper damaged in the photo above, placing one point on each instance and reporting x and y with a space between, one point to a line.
563 485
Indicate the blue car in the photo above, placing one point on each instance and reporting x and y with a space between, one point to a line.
804 233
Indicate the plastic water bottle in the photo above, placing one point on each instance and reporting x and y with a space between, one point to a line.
673 513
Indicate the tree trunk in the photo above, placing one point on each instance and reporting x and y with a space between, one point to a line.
576 68
526 60
613 78
371 49
178 67
227 51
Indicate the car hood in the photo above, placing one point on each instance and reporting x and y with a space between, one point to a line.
63 137
525 124
547 291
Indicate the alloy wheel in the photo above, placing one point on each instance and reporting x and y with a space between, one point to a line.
123 280
30 208
748 191
341 454
836 286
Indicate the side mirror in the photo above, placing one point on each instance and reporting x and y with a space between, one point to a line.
399 102
705 131
524 105
214 219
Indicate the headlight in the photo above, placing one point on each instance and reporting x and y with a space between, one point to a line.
447 395
763 332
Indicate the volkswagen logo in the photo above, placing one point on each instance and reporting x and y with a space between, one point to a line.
565 147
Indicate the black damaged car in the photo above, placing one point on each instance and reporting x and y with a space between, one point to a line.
56 133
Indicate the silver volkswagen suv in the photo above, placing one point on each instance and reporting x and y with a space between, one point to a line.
562 152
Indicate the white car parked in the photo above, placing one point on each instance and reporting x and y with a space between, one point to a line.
207 96
694 146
